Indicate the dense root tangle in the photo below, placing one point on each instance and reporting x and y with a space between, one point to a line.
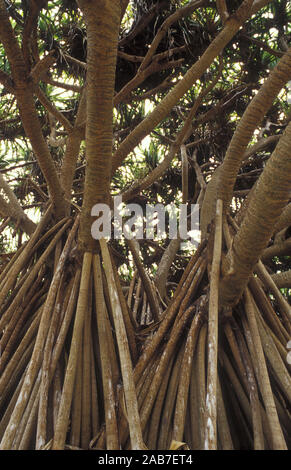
81 369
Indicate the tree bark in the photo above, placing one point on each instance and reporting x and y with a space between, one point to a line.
102 21
282 279
251 119
23 90
73 143
264 209
11 208
284 220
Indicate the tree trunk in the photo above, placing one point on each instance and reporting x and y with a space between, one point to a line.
102 20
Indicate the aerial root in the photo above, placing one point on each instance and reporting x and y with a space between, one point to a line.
80 370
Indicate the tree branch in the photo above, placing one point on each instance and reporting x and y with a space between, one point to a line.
264 208
50 107
193 74
282 279
73 143
42 66
10 207
252 117
141 76
164 28
23 87
284 220
222 10
29 27
182 135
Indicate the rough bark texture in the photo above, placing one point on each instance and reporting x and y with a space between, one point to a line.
10 207
247 125
223 180
73 143
282 279
102 21
264 209
285 219
23 90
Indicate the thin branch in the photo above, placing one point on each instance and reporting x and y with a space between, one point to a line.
284 220
193 74
112 439
144 21
52 109
139 78
222 10
42 66
181 136
30 27
263 46
65 86
77 62
72 150
261 145
271 283
164 28
10 207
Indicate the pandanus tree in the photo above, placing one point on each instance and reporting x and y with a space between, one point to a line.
87 359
